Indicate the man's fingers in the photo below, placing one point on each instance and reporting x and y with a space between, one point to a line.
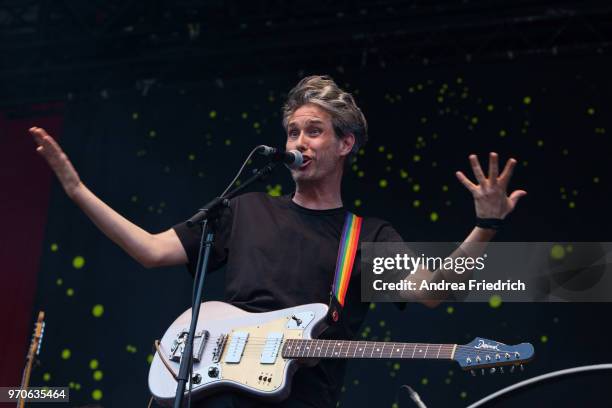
517 195
506 175
477 169
465 181
493 167
36 132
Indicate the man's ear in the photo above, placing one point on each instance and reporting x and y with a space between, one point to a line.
346 144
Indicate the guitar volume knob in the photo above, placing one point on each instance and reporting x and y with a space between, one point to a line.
213 372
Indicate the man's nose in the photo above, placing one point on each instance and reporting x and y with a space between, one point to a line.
301 143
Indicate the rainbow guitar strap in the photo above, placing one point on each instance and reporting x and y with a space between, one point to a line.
349 243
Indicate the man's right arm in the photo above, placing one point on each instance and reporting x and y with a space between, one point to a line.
148 249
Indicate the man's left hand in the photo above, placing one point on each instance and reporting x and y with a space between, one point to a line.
490 194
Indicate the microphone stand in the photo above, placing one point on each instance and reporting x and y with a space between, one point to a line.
210 211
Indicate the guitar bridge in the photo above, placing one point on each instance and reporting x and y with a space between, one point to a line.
178 345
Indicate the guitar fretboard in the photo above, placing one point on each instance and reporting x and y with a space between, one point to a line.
318 348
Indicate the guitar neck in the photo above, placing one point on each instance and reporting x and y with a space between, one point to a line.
319 348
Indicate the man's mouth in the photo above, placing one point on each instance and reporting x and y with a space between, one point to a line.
307 161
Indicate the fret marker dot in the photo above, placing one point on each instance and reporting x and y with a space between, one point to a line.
377 349
420 351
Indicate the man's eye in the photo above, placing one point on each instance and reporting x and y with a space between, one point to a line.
293 133
315 131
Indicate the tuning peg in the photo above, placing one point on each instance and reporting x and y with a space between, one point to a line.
492 370
473 373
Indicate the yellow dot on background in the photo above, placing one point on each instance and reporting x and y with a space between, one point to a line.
396 366
98 375
445 188
59 281
540 143
97 310
46 377
372 307
450 310
595 180
54 247
495 301
149 358
433 216
416 158
572 204
544 339
557 252
228 142
527 100
383 183
66 354
591 111
490 108
78 262
256 125
93 364
502 133
389 156
382 323
424 381
381 149
416 203
244 115
463 395
212 114
77 386
135 115
152 133
447 381
191 157
360 173
474 120
69 292
403 173
357 203
96 395
416 188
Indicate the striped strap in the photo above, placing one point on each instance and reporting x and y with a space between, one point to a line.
346 255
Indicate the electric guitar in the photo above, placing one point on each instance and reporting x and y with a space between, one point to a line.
257 353
33 351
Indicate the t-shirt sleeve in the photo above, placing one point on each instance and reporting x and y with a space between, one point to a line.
190 239
387 233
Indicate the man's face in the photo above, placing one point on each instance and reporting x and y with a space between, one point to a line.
310 131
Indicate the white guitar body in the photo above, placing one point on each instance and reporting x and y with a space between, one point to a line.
241 350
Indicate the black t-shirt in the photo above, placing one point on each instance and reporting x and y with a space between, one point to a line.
278 255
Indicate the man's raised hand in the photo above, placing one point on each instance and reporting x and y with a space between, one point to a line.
57 159
490 194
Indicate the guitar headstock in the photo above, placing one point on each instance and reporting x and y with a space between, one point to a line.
483 353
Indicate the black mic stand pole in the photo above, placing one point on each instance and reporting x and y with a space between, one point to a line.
209 211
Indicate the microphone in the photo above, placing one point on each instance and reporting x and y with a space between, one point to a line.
292 158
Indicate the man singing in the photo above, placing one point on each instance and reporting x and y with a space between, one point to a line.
281 252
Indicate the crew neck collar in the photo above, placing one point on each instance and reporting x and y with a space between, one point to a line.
330 211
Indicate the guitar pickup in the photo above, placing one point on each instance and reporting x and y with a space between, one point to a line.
199 344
